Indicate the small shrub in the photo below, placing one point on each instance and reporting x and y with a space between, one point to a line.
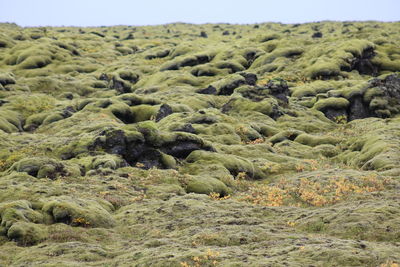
208 259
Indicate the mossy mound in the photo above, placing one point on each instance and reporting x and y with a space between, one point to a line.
10 121
310 140
41 167
233 164
79 212
20 222
41 54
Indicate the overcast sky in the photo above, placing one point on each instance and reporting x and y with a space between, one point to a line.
151 12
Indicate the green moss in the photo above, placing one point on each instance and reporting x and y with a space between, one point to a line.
168 161
232 66
25 233
357 46
371 93
52 118
34 62
79 212
268 37
105 161
313 140
385 62
31 104
21 210
186 61
286 52
378 103
7 127
124 50
323 68
40 167
313 88
284 135
123 112
327 150
144 112
206 185
232 163
226 86
241 104
5 41
332 103
205 70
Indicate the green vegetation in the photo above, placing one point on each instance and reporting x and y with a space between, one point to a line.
200 145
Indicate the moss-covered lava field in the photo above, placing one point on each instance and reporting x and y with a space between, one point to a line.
200 145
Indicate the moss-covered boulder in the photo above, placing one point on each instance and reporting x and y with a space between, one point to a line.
206 185
310 140
41 167
26 234
79 212
233 164
21 223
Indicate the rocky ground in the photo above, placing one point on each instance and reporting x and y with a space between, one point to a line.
200 145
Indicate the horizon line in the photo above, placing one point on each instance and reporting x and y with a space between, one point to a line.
198 24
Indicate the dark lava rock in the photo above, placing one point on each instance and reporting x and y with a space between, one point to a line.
188 62
279 89
188 128
161 54
2 102
7 80
388 92
98 34
317 35
114 141
163 112
130 77
202 72
251 78
250 57
363 63
210 90
69 96
229 88
104 77
126 116
276 88
226 33
332 113
256 94
150 158
181 149
202 59
390 86
129 37
120 86
357 109
68 112
105 104
203 34
276 113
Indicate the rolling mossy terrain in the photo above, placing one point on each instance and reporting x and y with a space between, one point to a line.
200 145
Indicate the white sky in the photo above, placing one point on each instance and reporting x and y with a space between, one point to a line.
150 12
